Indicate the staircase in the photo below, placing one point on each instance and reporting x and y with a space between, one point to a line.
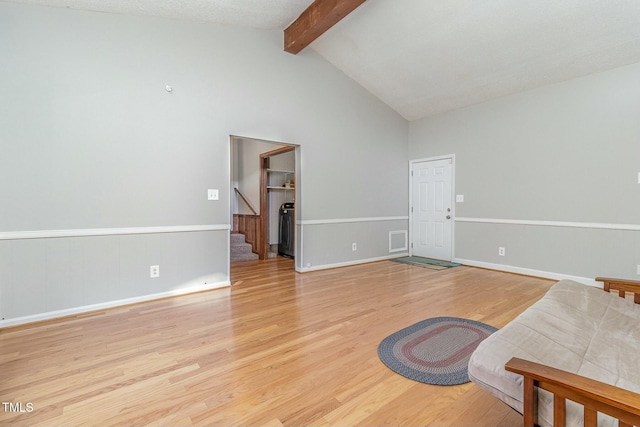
240 249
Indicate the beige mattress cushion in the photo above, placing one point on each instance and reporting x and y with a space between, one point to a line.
574 327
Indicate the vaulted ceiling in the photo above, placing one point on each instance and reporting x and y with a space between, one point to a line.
424 57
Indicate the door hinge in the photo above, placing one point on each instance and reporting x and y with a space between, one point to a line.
412 173
411 245
411 209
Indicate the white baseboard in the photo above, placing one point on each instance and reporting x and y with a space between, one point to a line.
348 263
528 271
110 304
210 286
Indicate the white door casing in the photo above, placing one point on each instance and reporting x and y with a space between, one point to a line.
432 208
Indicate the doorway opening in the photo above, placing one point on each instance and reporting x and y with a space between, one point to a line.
264 199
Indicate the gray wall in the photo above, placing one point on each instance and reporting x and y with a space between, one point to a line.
560 164
91 140
372 239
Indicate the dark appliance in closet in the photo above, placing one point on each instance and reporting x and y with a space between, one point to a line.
285 230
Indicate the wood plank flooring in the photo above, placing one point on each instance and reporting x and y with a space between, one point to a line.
278 348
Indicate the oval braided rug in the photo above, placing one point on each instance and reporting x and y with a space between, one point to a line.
434 351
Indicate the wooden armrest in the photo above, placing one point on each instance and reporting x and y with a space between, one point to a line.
594 395
622 286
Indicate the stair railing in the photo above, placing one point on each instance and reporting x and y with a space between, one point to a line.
239 193
249 225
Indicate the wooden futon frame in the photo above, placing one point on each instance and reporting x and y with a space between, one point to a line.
595 396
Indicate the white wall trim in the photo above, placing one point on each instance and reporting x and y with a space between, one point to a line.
348 263
528 271
349 220
47 234
110 304
595 225
430 159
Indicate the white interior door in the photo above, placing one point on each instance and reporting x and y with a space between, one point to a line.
431 223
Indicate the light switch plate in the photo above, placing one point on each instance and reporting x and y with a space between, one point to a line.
213 194
459 198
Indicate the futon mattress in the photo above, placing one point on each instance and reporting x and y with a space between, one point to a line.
574 327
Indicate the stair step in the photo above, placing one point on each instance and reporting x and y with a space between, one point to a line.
240 249
244 257
237 238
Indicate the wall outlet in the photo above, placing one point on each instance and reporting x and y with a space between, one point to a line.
502 251
638 269
213 194
154 271
354 246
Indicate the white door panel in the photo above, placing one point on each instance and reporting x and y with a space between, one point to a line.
431 214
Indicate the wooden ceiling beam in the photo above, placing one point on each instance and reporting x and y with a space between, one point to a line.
314 21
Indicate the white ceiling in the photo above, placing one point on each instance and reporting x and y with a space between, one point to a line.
423 57
263 14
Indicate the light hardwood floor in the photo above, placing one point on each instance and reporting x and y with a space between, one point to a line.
277 348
